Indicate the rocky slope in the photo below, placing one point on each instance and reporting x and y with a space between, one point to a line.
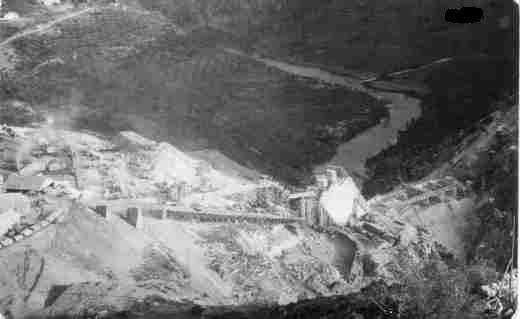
86 262
158 69
418 272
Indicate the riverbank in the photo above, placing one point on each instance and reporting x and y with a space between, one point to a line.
180 88
353 154
462 92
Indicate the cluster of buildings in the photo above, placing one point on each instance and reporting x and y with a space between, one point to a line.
14 204
17 189
20 216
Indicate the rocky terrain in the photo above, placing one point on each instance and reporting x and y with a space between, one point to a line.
108 264
149 152
86 264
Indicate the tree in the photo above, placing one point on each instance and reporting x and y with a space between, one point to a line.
430 289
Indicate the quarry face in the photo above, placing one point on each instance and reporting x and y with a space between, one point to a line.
256 159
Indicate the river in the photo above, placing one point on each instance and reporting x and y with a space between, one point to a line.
353 154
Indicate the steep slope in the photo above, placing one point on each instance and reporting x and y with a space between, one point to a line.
463 92
124 67
80 248
86 262
368 35
158 69
488 159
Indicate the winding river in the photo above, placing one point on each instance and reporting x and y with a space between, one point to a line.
353 153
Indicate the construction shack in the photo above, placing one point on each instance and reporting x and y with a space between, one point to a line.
18 183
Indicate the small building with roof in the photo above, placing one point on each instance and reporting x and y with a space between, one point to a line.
18 183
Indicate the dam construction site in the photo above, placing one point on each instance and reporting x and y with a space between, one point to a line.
227 159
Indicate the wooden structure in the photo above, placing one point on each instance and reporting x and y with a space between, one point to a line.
309 209
18 183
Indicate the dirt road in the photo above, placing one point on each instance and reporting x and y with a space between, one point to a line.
44 26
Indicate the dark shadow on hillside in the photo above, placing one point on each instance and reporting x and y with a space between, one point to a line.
353 306
184 90
463 92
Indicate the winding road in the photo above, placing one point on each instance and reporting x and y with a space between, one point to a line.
45 26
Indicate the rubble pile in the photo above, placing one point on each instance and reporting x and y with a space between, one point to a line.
318 277
271 199
161 272
238 262
272 264
92 169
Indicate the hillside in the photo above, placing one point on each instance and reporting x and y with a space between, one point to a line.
166 57
461 242
366 35
84 262
140 72
451 111
256 159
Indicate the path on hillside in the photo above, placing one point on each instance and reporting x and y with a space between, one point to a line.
353 153
45 26
420 67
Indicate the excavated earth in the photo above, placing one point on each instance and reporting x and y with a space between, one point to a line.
84 261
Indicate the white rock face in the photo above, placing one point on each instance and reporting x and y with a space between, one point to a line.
172 164
339 199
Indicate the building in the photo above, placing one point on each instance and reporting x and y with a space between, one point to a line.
178 192
18 183
336 199
332 176
301 202
308 207
322 181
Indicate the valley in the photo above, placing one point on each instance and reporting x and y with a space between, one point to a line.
256 159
